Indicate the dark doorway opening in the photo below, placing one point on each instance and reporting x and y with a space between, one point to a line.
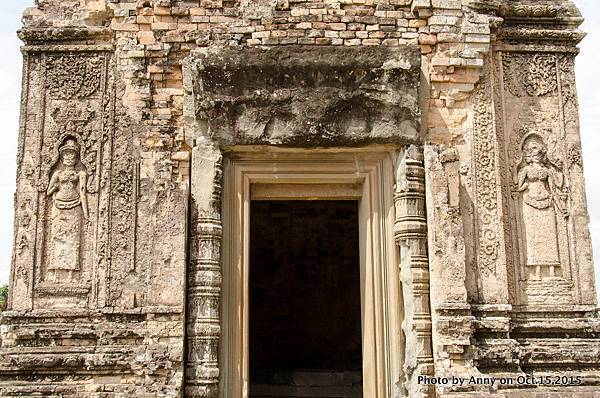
305 309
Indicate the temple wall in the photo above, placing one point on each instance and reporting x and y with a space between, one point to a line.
128 108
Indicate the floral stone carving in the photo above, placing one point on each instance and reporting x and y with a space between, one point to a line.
73 76
530 75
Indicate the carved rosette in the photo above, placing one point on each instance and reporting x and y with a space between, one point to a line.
204 276
410 231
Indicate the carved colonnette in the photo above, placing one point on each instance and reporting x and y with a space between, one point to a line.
204 273
410 232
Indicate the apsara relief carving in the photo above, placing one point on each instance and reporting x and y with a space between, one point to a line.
539 96
540 183
70 153
69 213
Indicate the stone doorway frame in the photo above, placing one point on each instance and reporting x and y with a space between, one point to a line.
372 168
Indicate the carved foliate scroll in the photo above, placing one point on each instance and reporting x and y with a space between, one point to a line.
533 75
74 75
486 181
410 231
123 182
568 92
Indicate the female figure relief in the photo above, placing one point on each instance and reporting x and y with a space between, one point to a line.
539 181
69 211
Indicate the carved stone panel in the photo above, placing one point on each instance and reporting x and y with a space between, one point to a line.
490 251
67 135
542 149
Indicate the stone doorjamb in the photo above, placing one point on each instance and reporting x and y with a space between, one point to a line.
381 299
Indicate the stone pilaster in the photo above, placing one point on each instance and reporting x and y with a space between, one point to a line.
450 268
410 231
204 274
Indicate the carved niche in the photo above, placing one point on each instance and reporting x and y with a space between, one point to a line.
75 123
537 113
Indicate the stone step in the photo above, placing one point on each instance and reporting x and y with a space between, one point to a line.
309 384
281 391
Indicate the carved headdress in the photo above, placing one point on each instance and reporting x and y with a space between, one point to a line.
533 144
69 145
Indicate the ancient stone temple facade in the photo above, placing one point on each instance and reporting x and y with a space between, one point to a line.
148 126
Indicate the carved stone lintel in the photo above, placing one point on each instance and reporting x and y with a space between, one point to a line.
44 35
410 231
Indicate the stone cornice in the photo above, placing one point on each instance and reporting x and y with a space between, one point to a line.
527 20
540 33
46 35
539 9
483 6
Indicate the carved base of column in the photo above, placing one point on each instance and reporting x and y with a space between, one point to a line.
203 391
